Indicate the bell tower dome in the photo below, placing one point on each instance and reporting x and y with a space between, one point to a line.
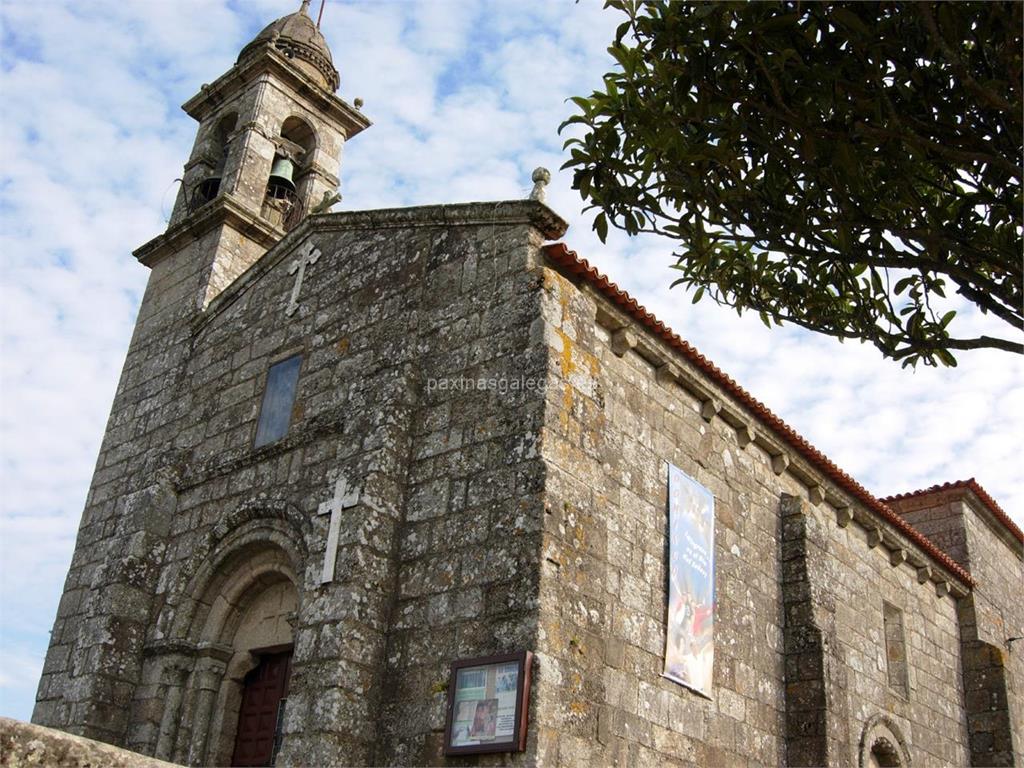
267 152
298 38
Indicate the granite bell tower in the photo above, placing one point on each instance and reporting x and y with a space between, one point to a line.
267 152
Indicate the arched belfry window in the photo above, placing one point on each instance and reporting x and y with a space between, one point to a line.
215 158
285 202
299 132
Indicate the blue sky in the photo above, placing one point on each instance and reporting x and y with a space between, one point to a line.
466 97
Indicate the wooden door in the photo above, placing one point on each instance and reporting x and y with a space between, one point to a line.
265 689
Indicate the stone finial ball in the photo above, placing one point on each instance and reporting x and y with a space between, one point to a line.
541 176
358 102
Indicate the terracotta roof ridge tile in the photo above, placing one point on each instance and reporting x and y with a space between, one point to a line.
560 254
972 484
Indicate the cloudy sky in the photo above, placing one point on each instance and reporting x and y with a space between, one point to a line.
466 97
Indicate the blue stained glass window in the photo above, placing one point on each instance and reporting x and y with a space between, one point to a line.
278 398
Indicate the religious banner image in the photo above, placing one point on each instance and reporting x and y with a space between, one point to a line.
689 642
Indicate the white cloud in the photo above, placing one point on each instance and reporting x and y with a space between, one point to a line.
466 97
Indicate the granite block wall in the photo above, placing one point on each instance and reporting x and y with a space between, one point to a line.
989 616
612 425
508 446
417 336
858 580
93 663
994 613
610 429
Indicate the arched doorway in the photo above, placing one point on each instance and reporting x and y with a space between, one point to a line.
226 640
262 661
250 619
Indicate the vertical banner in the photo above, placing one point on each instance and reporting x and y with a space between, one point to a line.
689 642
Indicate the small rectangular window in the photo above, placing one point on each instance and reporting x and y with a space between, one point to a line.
895 649
278 398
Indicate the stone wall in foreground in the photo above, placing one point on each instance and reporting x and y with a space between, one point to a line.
23 745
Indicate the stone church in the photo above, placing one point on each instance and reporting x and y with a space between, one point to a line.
350 449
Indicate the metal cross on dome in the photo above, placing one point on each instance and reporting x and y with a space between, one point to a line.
304 8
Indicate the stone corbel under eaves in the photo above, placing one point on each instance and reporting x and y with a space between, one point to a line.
881 534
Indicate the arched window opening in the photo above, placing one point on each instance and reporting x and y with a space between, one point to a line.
284 204
215 158
884 755
882 744
299 132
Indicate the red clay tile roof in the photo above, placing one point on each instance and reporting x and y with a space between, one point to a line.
560 254
980 492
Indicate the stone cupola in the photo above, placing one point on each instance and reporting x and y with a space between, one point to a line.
299 39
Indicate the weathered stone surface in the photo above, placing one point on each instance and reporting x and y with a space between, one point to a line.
989 615
375 340
502 432
801 664
23 745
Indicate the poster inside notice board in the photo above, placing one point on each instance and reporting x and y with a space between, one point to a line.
487 700
690 635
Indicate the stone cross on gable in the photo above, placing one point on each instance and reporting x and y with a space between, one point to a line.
344 498
307 255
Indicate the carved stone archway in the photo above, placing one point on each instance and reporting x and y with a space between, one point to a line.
242 597
882 745
254 610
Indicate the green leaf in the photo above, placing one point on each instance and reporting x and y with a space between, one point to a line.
621 31
876 282
777 23
848 19
584 104
902 284
582 183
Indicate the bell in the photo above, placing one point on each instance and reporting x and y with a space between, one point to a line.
210 186
280 184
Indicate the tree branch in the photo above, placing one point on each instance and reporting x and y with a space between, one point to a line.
994 100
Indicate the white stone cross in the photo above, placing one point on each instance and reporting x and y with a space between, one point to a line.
308 255
344 498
